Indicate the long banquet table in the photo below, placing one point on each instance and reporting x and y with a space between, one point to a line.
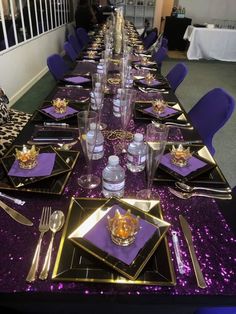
212 223
211 43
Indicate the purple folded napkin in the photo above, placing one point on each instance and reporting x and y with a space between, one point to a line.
99 236
153 83
44 167
192 165
51 111
168 111
77 79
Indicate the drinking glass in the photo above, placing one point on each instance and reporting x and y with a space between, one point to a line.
126 111
97 96
156 137
88 128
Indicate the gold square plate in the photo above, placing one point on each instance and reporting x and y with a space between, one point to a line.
74 263
60 166
208 175
52 185
140 114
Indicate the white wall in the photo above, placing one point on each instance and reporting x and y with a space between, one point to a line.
202 11
23 66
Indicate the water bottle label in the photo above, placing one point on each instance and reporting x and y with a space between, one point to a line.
113 186
116 109
98 148
136 160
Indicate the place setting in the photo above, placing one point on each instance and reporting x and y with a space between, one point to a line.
157 110
191 164
136 254
30 168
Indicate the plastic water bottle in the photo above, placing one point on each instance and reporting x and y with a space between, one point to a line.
116 103
98 151
113 178
136 156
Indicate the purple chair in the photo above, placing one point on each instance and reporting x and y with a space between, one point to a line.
150 39
71 53
176 75
160 55
74 43
57 66
210 113
164 42
216 310
82 36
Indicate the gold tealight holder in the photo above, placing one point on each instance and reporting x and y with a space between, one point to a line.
144 61
60 105
159 106
91 54
149 78
27 157
123 228
180 155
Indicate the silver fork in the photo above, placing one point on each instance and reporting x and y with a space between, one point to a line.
43 228
187 195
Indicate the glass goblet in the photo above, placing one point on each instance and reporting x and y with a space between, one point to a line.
156 137
87 125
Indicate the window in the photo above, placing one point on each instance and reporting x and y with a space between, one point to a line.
22 20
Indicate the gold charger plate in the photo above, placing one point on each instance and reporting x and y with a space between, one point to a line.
209 176
59 167
75 264
54 185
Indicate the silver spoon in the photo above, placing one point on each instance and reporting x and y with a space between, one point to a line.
56 222
187 188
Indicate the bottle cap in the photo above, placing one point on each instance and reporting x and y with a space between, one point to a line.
113 160
138 137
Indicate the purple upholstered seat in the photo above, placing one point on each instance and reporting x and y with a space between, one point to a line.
164 42
210 113
82 36
176 75
71 53
160 55
74 43
150 39
57 66
216 310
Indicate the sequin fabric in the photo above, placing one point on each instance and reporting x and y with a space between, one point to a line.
214 242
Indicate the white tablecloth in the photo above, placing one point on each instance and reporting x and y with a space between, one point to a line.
211 43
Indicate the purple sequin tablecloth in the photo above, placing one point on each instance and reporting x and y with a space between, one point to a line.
214 242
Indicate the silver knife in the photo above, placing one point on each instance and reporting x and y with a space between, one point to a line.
188 237
15 215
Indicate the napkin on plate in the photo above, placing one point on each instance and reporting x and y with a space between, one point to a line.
44 167
77 79
103 241
193 165
51 111
153 83
168 111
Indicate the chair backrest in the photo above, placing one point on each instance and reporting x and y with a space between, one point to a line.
82 36
164 42
160 55
71 53
57 66
210 113
176 75
74 43
150 39
216 310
